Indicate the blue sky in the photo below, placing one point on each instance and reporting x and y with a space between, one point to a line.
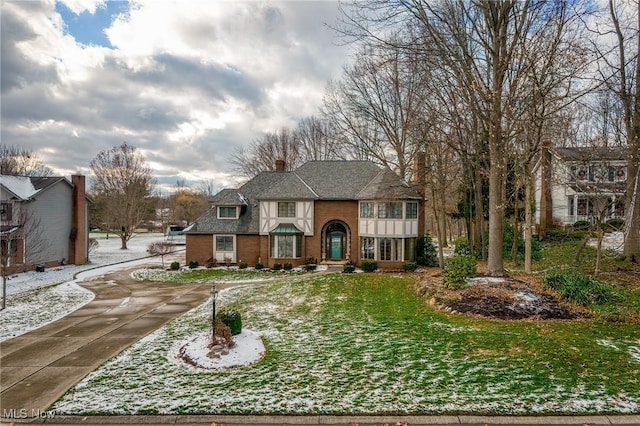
88 28
186 82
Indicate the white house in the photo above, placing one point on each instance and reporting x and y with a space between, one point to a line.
584 183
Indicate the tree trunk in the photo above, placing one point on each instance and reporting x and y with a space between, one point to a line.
528 220
546 207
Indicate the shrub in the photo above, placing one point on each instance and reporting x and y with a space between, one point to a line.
426 252
559 235
242 265
232 319
259 265
615 224
310 267
507 244
211 262
277 266
462 248
457 269
579 288
582 225
288 266
409 266
193 264
174 266
369 265
227 260
348 268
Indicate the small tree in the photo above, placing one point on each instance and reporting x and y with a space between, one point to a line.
160 248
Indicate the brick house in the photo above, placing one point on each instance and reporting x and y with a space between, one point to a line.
43 221
332 211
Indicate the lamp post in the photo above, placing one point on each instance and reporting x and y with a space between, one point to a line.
214 296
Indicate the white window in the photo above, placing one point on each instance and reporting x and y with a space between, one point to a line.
391 249
286 209
366 209
412 210
367 248
224 243
391 210
227 212
286 246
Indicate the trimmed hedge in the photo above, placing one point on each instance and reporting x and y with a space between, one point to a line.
369 265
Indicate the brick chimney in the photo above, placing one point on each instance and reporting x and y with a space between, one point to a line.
280 165
79 236
420 172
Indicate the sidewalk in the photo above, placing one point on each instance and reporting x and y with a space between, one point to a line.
189 420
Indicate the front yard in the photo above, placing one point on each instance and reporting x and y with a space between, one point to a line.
368 344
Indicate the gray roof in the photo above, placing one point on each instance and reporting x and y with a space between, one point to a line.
588 154
315 180
387 185
337 180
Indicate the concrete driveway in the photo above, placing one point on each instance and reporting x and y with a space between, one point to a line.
37 368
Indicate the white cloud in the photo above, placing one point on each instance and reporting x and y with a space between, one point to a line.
187 82
79 6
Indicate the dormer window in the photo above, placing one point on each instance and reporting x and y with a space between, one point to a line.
227 212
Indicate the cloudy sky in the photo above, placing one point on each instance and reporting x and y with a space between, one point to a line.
186 82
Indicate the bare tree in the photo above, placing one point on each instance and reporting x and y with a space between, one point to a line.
160 248
317 140
21 239
375 106
122 186
19 161
480 45
263 152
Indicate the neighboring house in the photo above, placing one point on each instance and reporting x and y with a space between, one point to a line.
326 211
43 221
584 183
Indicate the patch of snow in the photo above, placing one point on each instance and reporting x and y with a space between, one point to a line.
248 350
20 186
32 310
35 299
613 241
484 280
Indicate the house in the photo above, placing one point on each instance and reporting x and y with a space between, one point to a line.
584 182
327 211
43 221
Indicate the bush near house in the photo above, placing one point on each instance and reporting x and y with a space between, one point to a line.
349 268
288 266
409 266
458 268
277 266
426 252
193 264
242 265
174 266
369 265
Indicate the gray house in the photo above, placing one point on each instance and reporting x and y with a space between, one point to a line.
43 221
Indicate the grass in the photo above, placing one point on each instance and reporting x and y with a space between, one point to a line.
368 344
204 275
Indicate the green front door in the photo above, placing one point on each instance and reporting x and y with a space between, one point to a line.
336 245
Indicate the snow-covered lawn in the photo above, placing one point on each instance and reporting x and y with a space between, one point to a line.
38 298
353 344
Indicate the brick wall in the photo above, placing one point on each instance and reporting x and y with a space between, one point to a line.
326 211
248 248
199 247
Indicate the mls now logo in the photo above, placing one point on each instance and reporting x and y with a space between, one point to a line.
23 413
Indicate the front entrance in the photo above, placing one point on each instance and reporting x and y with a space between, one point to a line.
335 241
336 245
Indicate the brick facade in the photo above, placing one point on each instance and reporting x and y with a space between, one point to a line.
199 248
